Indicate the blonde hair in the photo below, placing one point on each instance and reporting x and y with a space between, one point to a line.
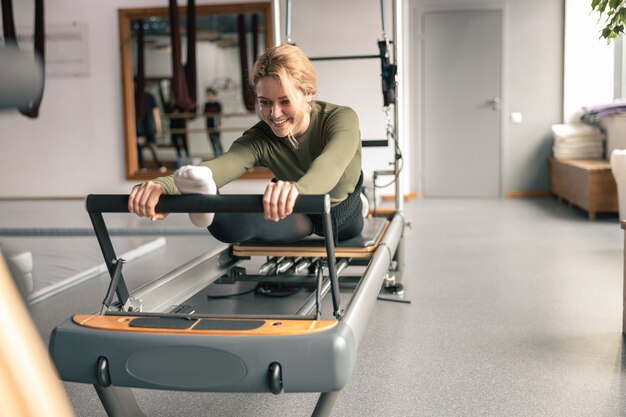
296 74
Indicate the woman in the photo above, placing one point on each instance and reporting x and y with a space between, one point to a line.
312 147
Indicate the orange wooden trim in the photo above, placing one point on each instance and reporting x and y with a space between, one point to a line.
274 327
527 194
384 211
306 252
128 97
253 174
392 197
201 9
257 174
586 164
352 252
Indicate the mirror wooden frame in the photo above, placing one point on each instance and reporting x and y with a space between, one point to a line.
124 20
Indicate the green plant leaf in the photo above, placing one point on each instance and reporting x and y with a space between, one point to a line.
613 14
602 6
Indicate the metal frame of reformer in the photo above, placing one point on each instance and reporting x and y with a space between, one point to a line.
124 347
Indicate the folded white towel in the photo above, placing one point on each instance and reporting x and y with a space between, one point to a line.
576 130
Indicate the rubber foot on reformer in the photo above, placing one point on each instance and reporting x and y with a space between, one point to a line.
393 293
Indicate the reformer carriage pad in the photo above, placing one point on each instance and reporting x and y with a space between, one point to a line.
362 246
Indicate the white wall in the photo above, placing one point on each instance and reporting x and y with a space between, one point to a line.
535 89
75 147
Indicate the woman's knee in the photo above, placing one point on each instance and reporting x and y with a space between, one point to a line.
229 230
352 230
234 228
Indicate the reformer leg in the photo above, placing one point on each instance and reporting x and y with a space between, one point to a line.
119 401
325 404
394 282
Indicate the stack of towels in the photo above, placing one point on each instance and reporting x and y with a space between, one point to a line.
578 141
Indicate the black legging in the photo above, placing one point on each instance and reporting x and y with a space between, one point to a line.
241 227
347 220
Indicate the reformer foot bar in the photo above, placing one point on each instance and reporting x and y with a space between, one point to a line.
151 339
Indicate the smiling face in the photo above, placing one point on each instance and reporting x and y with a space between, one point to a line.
278 111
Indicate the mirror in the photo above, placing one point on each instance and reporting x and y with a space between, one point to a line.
183 137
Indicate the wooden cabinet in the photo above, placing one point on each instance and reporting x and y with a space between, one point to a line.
588 184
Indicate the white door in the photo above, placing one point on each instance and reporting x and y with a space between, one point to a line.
461 103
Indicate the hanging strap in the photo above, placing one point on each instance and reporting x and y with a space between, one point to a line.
10 38
246 89
388 69
388 73
190 65
255 36
179 83
140 80
7 23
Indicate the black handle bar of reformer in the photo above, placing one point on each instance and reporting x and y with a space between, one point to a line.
194 203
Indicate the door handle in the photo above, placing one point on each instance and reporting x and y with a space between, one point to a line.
495 103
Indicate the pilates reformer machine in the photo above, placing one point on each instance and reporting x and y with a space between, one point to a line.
162 336
156 338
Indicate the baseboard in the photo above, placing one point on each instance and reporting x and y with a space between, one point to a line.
527 194
392 197
382 211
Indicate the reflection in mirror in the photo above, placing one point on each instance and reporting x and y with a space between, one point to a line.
161 135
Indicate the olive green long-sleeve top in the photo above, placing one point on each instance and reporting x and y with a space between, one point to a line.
327 159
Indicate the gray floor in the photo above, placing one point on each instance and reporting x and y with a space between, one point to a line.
516 311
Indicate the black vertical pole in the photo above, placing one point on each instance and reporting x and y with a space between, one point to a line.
330 253
109 254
